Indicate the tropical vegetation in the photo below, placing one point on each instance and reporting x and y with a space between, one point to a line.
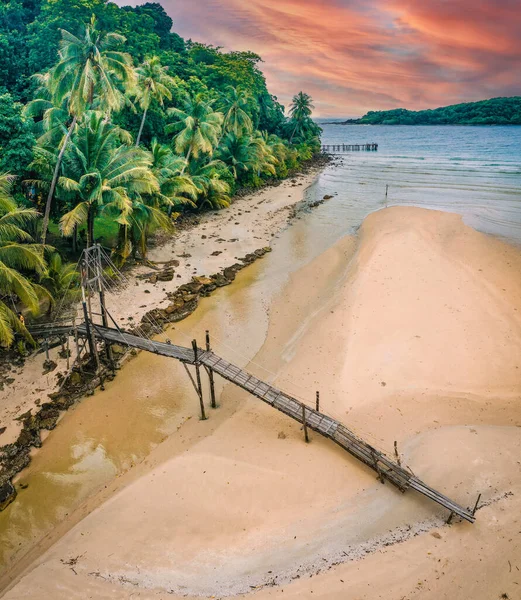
111 127
496 111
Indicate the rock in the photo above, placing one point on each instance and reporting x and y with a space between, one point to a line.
75 378
166 275
220 280
216 253
48 366
436 535
203 280
7 494
2 430
327 197
152 278
282 435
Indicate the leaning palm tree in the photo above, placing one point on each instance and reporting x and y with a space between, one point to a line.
300 111
17 254
236 118
89 70
153 83
198 128
101 171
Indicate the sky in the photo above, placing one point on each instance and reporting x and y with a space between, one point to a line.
352 56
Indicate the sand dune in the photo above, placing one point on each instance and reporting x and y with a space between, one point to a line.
413 336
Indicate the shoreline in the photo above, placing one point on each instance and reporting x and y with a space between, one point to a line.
455 434
146 298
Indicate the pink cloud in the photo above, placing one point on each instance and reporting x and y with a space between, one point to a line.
359 55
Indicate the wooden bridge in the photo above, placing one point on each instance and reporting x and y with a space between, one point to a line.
385 468
343 148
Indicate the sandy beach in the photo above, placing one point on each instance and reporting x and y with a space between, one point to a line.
215 243
412 333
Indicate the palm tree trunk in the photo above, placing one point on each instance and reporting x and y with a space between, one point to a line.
138 139
294 131
90 227
187 160
47 213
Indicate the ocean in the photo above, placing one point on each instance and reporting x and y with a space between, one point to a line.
473 171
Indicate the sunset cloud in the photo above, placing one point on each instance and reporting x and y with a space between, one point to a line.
359 55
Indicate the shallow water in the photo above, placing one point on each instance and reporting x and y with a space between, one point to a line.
472 171
104 435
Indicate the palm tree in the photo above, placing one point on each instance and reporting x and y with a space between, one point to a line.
17 253
103 171
243 154
236 119
60 279
88 68
176 187
198 128
153 83
300 111
213 190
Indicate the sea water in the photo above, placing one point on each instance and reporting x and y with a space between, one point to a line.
473 171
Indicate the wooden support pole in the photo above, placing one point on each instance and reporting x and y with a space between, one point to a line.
317 402
198 378
476 505
306 437
105 321
396 453
68 354
449 520
213 403
46 349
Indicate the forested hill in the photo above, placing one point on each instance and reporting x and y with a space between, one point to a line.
496 111
111 127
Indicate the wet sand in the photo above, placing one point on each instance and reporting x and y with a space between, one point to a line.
412 332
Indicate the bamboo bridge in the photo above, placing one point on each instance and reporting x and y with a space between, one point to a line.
311 418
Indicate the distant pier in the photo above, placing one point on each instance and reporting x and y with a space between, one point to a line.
341 148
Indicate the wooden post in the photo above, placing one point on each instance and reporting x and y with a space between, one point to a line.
46 349
198 377
476 505
306 437
317 403
105 321
89 332
68 354
396 453
386 190
449 520
213 404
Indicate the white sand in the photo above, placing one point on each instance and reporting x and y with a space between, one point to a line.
422 344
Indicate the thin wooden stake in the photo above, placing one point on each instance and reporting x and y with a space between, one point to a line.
68 354
317 403
476 505
213 403
198 377
306 437
449 520
46 349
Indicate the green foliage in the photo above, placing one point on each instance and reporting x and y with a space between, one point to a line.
119 124
16 138
496 111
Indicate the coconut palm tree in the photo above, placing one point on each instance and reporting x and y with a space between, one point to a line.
88 69
300 111
102 171
60 279
242 154
176 187
17 253
198 128
213 190
153 83
234 105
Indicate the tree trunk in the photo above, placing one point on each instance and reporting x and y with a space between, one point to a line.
294 131
90 227
138 139
47 213
187 159
75 240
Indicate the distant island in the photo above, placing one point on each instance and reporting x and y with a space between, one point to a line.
496 111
